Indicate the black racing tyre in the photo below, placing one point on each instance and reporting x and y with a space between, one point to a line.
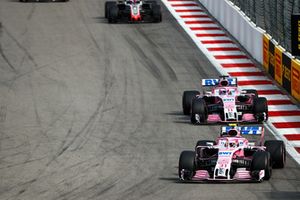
205 143
151 2
187 100
277 150
156 13
186 162
252 92
199 107
113 14
109 4
260 106
262 161
23 0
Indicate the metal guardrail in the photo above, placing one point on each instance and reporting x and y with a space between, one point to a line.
274 16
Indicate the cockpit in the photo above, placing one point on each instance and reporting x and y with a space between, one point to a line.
227 143
225 91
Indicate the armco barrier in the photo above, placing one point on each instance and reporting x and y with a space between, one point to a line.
245 31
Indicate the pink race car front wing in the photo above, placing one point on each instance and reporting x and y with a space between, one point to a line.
247 117
240 175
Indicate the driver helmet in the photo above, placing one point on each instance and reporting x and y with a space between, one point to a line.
222 92
232 132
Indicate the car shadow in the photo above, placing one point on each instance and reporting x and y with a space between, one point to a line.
178 181
100 20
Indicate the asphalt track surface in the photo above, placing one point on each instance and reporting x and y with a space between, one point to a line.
90 110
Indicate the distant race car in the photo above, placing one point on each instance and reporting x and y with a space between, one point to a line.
232 157
225 102
132 11
43 0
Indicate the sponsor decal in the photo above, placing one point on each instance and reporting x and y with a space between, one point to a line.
266 40
278 64
251 130
225 153
245 130
209 82
228 99
295 79
212 82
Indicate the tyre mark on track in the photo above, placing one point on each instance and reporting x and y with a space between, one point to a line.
3 54
3 110
92 119
156 52
20 75
149 64
30 57
31 12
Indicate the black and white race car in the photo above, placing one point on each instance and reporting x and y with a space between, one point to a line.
132 11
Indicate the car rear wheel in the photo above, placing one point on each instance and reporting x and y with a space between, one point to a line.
108 5
113 14
260 109
261 161
186 163
277 150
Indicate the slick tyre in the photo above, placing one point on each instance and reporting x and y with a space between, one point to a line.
113 14
260 106
108 5
186 163
199 108
187 98
156 13
277 150
262 161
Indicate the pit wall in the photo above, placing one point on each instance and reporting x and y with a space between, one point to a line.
281 65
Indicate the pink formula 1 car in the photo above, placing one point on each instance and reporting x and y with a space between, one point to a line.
132 11
224 103
232 157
